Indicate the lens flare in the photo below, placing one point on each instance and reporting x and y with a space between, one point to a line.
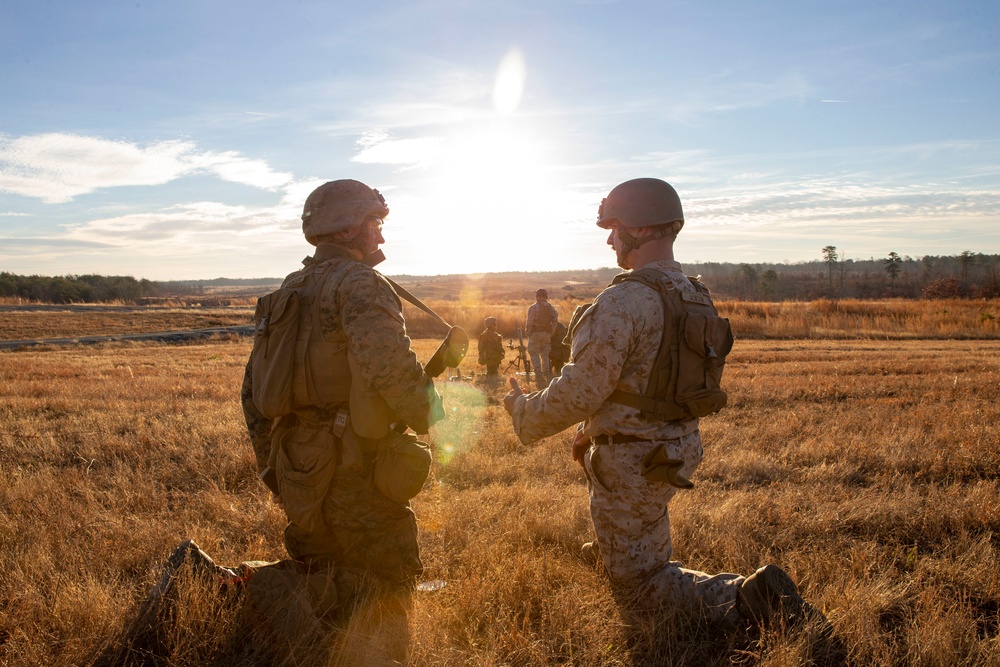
509 85
456 433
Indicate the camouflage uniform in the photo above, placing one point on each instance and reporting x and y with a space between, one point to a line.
490 350
367 537
614 346
541 324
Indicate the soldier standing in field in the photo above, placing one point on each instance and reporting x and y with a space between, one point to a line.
352 549
638 408
540 326
490 348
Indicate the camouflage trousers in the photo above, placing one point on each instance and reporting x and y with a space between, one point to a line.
354 578
632 523
539 345
364 531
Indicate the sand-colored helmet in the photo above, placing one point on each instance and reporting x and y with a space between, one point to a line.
340 205
642 202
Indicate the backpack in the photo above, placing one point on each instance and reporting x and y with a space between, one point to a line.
687 374
283 375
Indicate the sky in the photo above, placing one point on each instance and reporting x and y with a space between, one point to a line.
178 140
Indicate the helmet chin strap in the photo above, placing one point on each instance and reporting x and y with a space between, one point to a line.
630 243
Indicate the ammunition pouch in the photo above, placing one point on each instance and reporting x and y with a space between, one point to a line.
657 466
304 459
402 464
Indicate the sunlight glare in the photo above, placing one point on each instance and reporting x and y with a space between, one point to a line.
509 85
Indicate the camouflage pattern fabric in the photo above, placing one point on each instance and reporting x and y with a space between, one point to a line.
367 537
632 523
614 346
542 316
538 349
490 350
540 326
359 309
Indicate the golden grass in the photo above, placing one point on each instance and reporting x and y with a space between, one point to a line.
867 469
844 319
77 321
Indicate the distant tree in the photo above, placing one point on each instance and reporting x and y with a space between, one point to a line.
749 278
830 257
966 260
943 288
769 284
892 267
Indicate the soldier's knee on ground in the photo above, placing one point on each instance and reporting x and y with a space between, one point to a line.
295 604
378 631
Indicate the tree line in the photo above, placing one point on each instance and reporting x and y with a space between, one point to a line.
968 275
85 289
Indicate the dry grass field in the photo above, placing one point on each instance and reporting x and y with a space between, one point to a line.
33 323
841 319
867 468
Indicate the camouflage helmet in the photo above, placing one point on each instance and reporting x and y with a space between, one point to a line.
642 202
490 322
541 292
340 205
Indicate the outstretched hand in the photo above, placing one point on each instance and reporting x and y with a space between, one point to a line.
515 391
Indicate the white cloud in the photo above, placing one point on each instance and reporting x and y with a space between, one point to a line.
182 228
398 151
57 167
231 166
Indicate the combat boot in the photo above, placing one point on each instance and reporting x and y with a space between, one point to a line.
199 561
769 592
590 552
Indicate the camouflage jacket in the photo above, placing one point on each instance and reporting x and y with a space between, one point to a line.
359 308
490 347
542 316
614 346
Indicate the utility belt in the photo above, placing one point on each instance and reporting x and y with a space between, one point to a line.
616 438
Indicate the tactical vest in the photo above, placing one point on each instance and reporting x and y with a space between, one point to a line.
545 317
686 379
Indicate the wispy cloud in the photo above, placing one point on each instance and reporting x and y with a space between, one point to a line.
379 149
196 223
57 167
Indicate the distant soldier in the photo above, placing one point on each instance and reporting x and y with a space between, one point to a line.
491 351
638 404
559 352
541 324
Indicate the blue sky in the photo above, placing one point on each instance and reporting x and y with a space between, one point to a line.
173 140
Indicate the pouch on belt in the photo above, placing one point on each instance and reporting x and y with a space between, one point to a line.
657 466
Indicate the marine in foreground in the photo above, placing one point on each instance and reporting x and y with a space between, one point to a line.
646 364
